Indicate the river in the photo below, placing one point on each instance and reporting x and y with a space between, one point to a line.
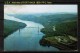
26 39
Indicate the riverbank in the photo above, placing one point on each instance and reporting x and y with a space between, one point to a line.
27 39
64 38
12 26
52 41
62 26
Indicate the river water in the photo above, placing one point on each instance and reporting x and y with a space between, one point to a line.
26 39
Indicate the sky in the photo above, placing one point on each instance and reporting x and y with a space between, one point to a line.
20 9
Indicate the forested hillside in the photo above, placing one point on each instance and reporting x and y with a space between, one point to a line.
65 35
11 26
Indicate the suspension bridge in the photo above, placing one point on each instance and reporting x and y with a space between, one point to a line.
38 30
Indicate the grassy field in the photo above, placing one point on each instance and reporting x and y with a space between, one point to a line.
12 26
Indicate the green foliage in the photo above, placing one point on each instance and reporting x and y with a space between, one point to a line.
64 30
67 28
11 26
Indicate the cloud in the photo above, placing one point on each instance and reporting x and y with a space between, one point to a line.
16 9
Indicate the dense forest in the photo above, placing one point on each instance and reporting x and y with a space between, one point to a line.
65 35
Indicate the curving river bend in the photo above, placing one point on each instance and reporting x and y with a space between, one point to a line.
26 39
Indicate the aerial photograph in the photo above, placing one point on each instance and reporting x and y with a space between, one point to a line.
40 27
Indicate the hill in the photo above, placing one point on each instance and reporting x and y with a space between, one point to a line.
65 36
12 26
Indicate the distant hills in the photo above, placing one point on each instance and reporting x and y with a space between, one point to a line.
47 17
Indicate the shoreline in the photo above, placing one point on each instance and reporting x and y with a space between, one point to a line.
9 29
60 46
13 31
60 38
